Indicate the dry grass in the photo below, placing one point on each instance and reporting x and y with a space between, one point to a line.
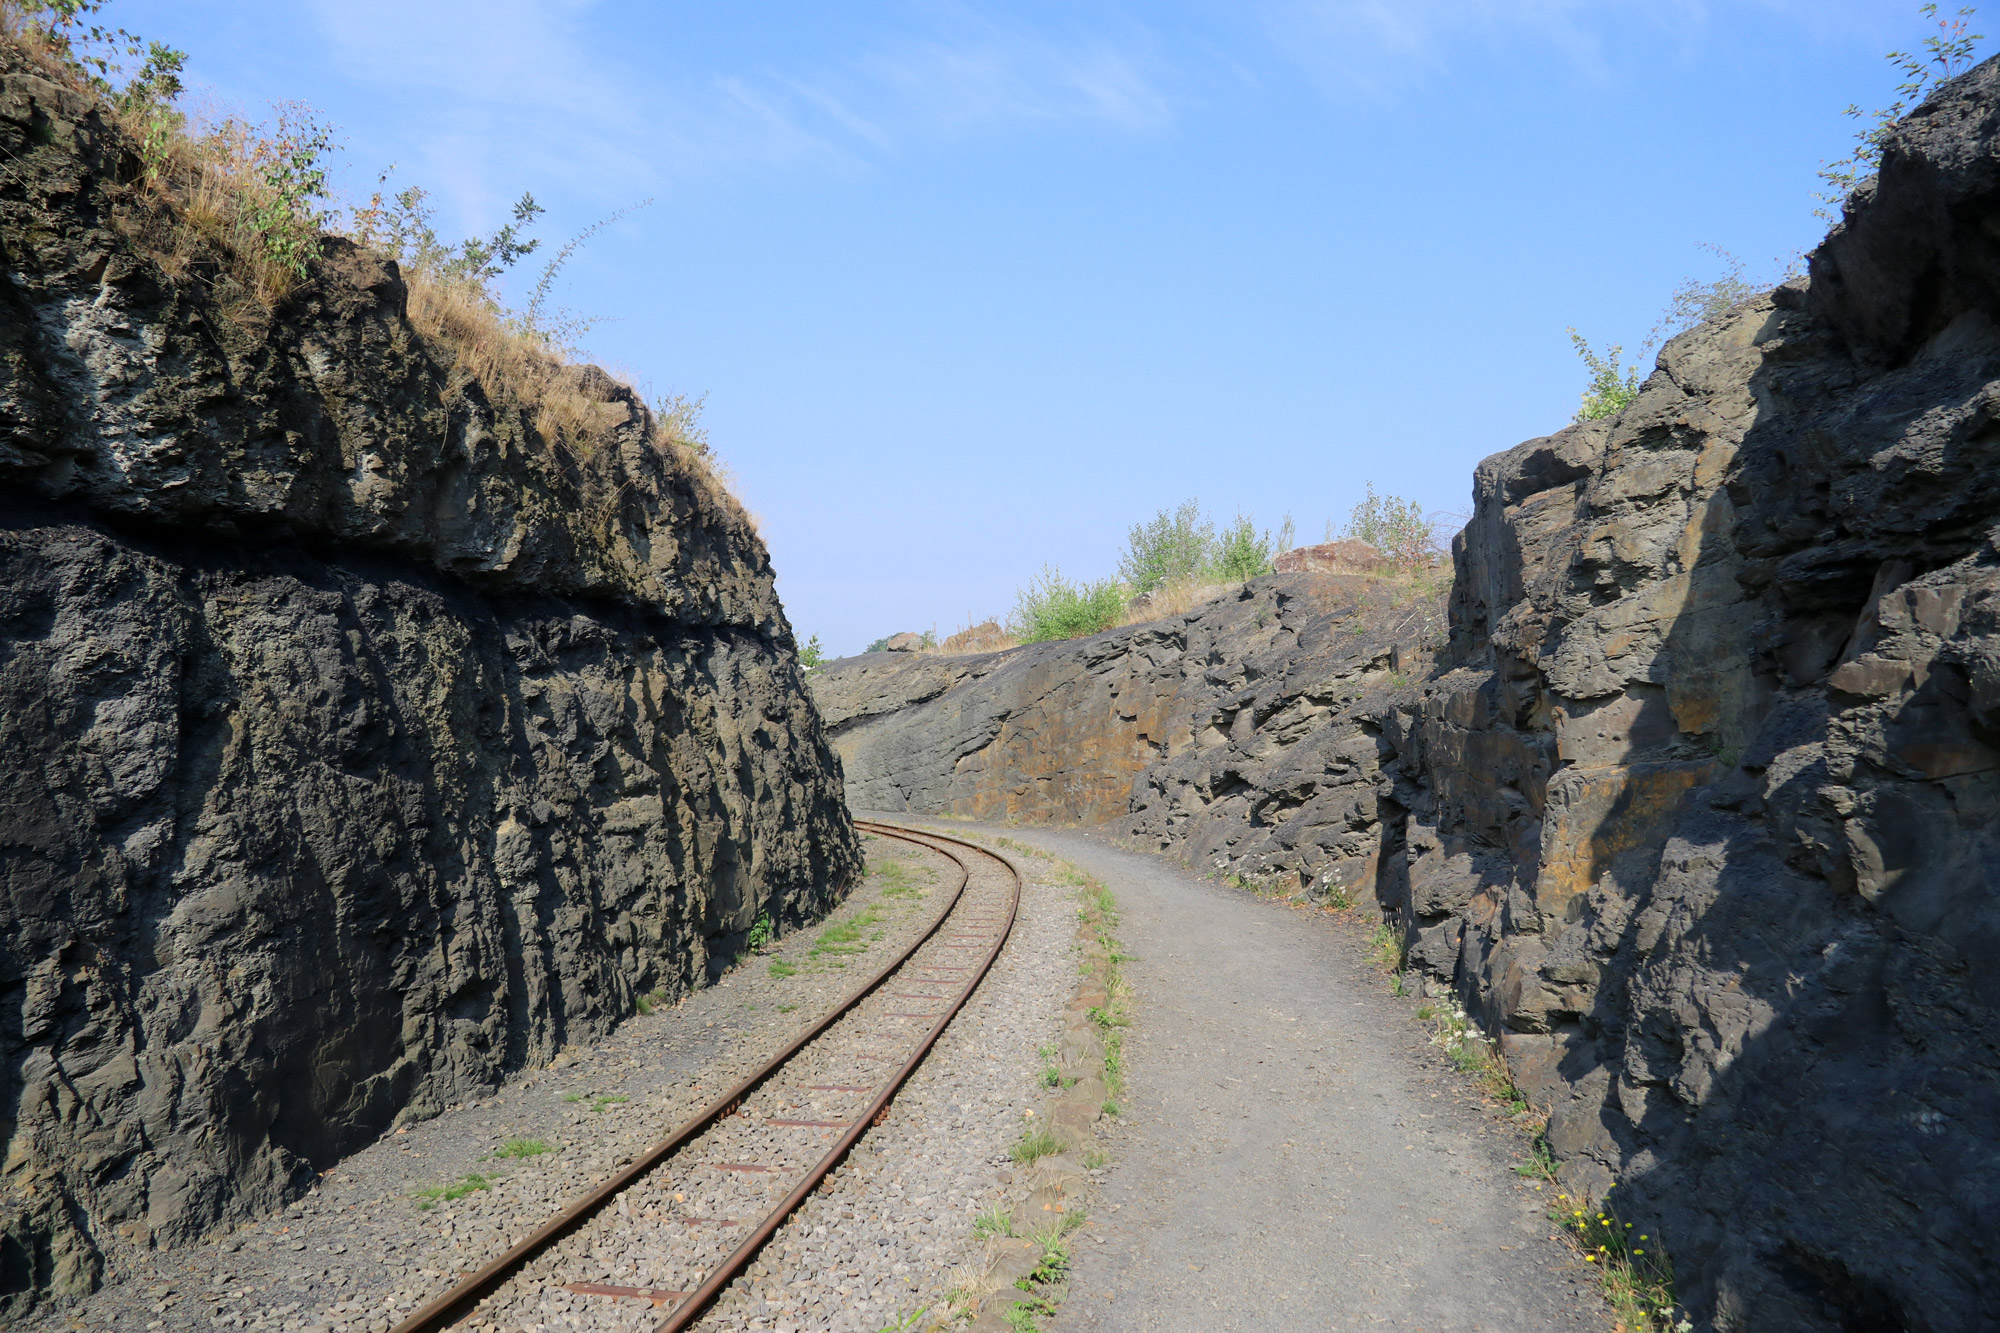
1175 599
226 204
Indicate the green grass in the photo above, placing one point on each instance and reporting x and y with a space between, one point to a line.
995 1221
895 874
522 1148
431 1198
1388 947
844 937
1037 1142
786 1008
782 969
597 1103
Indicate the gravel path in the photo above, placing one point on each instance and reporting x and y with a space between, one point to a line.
1294 1155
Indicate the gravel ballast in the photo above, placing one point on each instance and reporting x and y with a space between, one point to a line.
396 1224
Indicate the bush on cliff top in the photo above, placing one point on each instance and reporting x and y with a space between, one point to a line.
1183 547
1052 607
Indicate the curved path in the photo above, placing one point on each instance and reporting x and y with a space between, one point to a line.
1295 1156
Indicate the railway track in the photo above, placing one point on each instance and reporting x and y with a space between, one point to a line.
702 1202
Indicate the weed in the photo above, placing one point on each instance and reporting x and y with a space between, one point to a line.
1037 1142
1051 1077
450 1193
760 935
844 937
995 1221
1398 986
522 1148
786 1008
1633 1268
644 1004
1095 1159
1541 1163
905 1323
782 969
1111 1109
1951 50
1022 1314
1388 947
597 1103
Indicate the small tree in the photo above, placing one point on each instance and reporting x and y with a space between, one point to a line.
1173 548
1242 552
1612 386
1950 51
1394 526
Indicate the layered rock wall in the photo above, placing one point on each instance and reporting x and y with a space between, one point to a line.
359 740
1698 809
1702 821
1241 735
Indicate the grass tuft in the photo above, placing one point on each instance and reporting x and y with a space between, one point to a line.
431 1198
1037 1142
522 1148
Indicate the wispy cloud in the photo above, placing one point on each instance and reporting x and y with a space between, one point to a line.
543 89
1372 46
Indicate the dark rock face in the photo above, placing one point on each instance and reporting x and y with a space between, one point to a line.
1704 819
1699 810
1242 733
358 743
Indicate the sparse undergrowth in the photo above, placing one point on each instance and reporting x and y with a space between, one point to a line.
244 211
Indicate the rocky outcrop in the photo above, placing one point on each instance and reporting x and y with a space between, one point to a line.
1702 819
1699 808
1242 732
1346 556
359 741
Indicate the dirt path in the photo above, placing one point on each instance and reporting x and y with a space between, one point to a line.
1294 1155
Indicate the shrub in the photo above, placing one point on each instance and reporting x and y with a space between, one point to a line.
1242 552
1394 526
1951 49
1612 386
1054 608
811 656
1173 548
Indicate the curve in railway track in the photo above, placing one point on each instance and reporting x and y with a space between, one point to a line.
714 1191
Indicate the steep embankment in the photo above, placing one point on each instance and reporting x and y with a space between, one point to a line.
1699 810
358 741
1242 730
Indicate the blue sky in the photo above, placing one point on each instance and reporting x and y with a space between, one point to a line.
971 287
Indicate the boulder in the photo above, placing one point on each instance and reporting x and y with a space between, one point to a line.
1349 555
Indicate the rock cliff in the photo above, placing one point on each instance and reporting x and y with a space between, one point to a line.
1243 733
360 741
1703 816
1698 808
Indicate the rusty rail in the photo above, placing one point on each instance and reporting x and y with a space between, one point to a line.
458 1302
